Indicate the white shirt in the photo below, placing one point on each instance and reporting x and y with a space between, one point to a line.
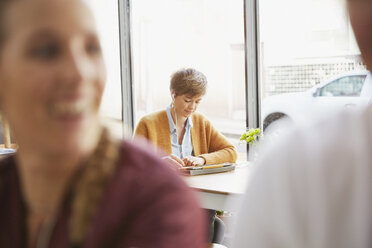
312 188
185 149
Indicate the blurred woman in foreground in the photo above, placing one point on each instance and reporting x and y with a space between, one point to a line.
70 183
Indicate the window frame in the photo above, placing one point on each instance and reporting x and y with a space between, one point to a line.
252 65
127 89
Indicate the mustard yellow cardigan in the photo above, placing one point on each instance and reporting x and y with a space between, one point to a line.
207 142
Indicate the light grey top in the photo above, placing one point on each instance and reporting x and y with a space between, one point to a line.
185 149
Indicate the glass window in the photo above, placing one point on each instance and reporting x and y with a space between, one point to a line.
346 86
301 46
106 14
207 35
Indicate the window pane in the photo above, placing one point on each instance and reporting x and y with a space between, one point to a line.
346 86
207 35
303 45
106 14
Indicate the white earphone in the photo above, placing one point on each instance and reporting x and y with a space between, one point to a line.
175 113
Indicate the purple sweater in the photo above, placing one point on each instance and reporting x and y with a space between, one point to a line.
146 204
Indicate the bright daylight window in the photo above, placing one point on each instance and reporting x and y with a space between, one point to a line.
106 13
207 35
311 65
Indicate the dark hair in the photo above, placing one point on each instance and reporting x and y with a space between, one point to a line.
188 81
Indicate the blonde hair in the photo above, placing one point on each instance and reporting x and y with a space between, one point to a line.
188 81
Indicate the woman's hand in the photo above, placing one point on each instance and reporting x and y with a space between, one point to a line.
174 161
193 161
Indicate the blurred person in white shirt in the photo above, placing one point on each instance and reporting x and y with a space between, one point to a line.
313 187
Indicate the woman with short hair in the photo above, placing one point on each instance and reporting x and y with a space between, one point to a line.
187 137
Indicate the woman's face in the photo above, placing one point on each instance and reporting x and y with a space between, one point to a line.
360 12
185 105
51 74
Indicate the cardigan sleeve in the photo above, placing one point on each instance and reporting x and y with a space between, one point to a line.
220 150
142 129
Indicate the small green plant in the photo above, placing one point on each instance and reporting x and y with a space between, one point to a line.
251 135
219 212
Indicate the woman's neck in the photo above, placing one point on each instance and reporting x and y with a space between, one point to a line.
45 176
44 181
178 120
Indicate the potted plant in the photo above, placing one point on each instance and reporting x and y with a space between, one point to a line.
251 136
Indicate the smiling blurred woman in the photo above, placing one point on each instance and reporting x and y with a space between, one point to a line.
70 183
